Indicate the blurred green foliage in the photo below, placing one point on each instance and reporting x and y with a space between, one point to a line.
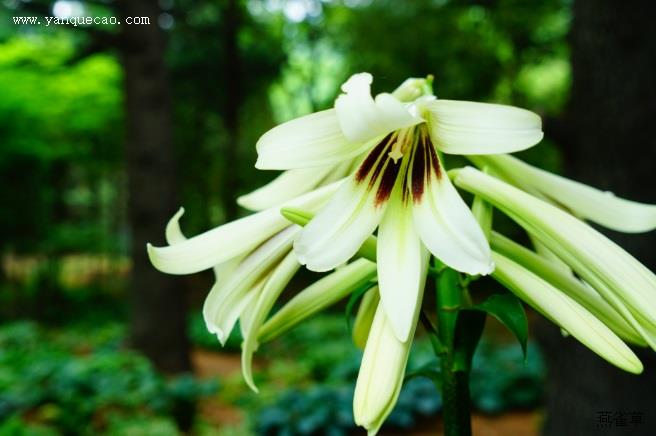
61 115
64 192
80 381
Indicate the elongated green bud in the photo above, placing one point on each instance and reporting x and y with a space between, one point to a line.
566 282
316 297
622 281
365 317
566 313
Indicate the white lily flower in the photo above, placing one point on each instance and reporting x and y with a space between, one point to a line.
601 207
400 184
627 285
566 313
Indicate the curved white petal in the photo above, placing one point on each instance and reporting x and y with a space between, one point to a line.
362 118
217 245
463 127
223 307
173 233
228 298
272 289
446 225
229 240
566 313
601 207
288 185
399 266
336 233
309 141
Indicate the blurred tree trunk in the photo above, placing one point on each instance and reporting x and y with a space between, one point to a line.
232 13
158 305
611 146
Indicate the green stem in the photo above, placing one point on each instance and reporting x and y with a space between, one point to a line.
455 384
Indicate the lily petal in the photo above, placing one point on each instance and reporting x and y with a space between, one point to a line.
226 300
272 289
229 240
309 141
601 207
217 245
362 118
566 313
336 233
442 219
288 185
463 127
399 266
173 232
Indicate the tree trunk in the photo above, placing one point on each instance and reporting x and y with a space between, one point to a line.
611 146
158 305
232 62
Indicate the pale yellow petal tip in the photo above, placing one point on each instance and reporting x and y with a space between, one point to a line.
400 328
245 202
260 165
251 384
637 367
247 374
220 335
152 255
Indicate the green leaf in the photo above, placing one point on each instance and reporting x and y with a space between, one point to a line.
508 310
430 370
469 328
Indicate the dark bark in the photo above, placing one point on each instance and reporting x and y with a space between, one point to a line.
232 104
611 146
158 303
